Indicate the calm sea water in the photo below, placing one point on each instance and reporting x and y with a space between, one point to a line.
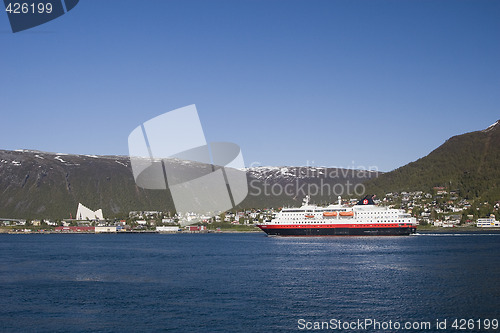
241 282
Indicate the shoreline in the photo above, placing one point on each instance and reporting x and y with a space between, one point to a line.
421 231
127 232
456 230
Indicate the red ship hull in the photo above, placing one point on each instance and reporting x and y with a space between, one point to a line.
338 229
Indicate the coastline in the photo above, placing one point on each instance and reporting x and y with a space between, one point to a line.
148 232
456 230
419 231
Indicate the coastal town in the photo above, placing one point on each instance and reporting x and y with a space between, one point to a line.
444 208
440 208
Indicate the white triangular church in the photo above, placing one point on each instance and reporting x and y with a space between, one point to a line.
84 213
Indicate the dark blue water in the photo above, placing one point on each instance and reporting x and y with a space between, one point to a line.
241 282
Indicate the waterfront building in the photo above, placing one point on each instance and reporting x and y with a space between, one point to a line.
489 222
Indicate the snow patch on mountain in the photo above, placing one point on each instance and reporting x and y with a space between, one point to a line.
492 126
125 165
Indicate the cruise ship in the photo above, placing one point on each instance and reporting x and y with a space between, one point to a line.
363 219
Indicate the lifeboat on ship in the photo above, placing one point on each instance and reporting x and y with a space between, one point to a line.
329 214
346 213
309 216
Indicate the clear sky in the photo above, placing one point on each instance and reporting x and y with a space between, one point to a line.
330 83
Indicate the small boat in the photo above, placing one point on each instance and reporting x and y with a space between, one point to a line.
351 213
329 214
309 216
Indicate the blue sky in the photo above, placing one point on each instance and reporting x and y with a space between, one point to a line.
330 83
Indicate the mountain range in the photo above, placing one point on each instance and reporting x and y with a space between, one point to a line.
468 164
35 184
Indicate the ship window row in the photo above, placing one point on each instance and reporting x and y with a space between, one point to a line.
363 226
392 221
317 210
302 212
371 221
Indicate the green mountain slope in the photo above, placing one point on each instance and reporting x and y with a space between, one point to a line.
468 163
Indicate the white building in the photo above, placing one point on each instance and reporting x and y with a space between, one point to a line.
438 223
84 213
488 223
105 229
167 229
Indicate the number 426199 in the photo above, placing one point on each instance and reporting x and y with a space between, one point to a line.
25 8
